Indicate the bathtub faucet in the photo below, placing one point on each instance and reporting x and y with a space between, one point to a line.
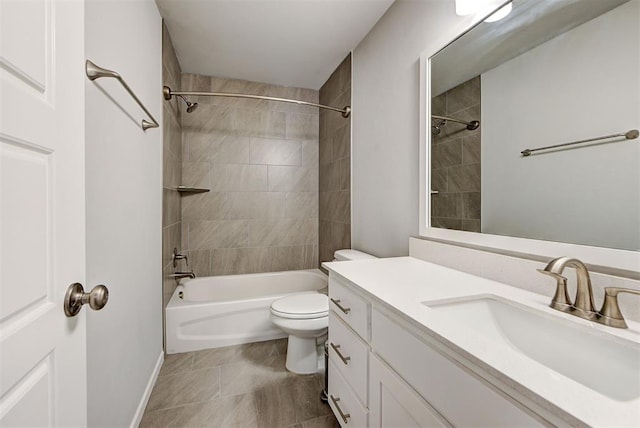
180 275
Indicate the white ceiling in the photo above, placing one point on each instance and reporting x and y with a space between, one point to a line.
282 42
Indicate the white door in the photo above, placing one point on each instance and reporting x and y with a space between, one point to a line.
42 213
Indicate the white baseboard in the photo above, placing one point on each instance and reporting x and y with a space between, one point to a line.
137 417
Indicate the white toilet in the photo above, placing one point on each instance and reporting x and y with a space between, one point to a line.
305 318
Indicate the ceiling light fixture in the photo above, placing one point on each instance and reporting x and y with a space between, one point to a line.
469 7
500 13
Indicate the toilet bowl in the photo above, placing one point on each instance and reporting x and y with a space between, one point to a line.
305 318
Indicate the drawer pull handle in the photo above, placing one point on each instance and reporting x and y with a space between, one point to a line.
343 415
342 308
344 359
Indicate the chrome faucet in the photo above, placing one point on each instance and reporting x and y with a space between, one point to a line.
583 306
180 275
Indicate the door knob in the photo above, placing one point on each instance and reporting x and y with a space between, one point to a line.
75 297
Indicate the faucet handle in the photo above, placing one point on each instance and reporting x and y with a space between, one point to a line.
561 300
177 256
610 313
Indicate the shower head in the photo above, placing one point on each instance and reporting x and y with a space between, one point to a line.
190 106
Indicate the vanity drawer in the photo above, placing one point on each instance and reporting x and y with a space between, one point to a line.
456 394
343 401
352 308
350 355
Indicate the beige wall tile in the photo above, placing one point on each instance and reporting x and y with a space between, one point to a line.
302 126
471 149
301 205
253 205
278 232
216 147
464 178
172 131
196 174
342 142
171 169
231 177
275 152
232 261
263 159
325 254
258 123
293 257
310 152
168 285
210 118
324 208
330 177
198 262
340 235
171 207
343 206
196 82
203 206
171 238
456 164
293 178
335 165
344 168
206 234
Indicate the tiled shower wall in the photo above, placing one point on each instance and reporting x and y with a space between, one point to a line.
455 163
335 164
172 167
260 161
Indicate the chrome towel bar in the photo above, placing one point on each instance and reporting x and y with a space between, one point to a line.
95 72
629 135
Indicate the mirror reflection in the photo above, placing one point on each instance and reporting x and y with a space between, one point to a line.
551 72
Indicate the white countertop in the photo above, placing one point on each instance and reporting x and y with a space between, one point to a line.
403 283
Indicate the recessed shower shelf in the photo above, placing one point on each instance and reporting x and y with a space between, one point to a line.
186 190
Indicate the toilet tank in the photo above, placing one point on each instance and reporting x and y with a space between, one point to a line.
344 255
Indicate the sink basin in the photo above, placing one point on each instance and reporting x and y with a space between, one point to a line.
609 365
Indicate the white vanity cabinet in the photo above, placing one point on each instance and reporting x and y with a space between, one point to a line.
457 395
384 374
394 404
349 331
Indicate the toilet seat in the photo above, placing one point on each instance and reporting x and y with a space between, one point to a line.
301 306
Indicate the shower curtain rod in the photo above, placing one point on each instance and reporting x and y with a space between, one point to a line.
470 125
168 93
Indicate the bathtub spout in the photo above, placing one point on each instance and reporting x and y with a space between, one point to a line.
180 275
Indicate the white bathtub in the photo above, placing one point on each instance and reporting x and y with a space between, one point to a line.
228 310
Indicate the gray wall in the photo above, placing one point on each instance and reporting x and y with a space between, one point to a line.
455 159
335 164
124 209
587 195
260 160
171 168
386 122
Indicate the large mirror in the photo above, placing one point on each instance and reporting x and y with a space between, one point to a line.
549 73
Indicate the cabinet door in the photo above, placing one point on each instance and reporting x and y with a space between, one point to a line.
393 404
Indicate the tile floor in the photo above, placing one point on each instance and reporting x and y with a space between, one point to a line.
236 386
